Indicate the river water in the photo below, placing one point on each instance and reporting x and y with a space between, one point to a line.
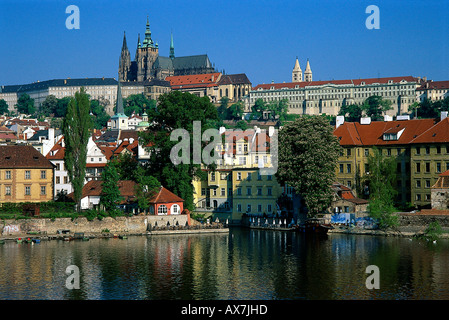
242 264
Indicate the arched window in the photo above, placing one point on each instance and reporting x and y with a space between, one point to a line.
175 209
162 210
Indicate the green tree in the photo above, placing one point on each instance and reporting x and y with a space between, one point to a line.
222 110
76 129
147 186
235 111
3 107
177 110
278 110
308 153
110 194
381 182
352 112
61 107
138 103
258 108
375 106
25 104
49 105
101 118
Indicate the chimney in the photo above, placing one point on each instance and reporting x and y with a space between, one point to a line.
388 118
51 135
443 115
365 120
339 121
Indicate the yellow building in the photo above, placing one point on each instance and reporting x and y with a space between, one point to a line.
25 175
240 184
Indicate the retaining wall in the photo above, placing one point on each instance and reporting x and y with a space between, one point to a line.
134 224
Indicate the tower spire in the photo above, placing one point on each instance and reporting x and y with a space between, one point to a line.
124 45
119 109
172 47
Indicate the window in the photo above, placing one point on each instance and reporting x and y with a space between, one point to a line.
239 176
427 150
248 176
43 190
239 208
418 167
239 191
27 190
259 176
223 192
162 209
427 166
27 174
418 183
175 209
43 174
248 191
248 208
438 167
259 191
229 192
348 168
269 177
58 180
418 150
269 191
269 208
212 176
348 152
259 208
203 191
341 168
7 190
427 183
7 174
366 152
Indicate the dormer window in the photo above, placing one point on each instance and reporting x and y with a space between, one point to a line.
393 134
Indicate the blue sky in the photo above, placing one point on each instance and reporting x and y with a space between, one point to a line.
257 37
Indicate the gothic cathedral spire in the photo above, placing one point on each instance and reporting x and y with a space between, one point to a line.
172 47
124 62
308 72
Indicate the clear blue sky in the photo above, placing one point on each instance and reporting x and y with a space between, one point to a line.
257 37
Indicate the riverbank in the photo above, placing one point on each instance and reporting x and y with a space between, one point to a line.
408 232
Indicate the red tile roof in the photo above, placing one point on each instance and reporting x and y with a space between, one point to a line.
438 85
194 81
356 82
354 133
165 196
22 157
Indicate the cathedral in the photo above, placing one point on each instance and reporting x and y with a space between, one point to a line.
297 75
148 65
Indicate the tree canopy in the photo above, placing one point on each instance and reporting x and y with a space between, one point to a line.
76 129
375 107
25 104
308 153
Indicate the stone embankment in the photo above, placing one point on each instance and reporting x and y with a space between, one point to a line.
63 228
410 225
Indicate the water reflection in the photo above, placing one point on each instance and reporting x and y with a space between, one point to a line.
244 264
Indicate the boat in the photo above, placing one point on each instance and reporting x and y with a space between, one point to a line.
315 225
122 237
36 240
2 241
19 240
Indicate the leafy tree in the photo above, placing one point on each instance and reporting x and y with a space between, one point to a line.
430 109
375 106
101 118
76 129
381 181
235 111
25 104
146 188
61 107
352 112
308 153
177 110
3 106
138 103
49 105
258 108
110 193
222 110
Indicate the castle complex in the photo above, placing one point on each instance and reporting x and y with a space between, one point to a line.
148 64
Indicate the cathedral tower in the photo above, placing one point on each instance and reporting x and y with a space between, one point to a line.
146 56
124 62
297 72
308 72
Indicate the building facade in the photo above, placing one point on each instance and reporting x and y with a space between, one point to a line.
420 147
25 175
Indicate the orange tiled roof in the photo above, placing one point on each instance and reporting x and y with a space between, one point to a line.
194 81
165 196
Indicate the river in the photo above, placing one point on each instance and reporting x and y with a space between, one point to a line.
244 264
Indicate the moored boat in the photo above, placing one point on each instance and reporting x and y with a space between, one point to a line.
315 225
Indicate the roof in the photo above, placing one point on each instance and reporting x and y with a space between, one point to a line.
22 156
345 193
165 196
351 82
438 133
43 85
194 80
437 85
354 133
127 190
190 62
240 78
